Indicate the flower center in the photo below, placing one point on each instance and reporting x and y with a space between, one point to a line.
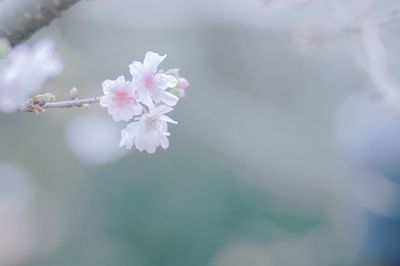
149 81
152 123
121 96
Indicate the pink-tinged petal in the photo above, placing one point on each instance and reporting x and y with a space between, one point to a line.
132 110
140 143
105 101
168 119
183 83
126 140
152 141
148 101
125 112
164 142
138 109
160 110
168 98
165 81
128 135
137 69
120 99
133 128
152 61
116 114
120 80
151 149
107 85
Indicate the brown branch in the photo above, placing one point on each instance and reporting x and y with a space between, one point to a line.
37 107
21 23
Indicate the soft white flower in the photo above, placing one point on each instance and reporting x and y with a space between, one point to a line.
25 71
120 99
151 86
149 132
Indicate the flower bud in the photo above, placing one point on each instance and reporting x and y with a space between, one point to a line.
49 97
42 99
180 89
74 93
183 83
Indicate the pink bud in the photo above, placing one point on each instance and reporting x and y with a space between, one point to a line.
183 83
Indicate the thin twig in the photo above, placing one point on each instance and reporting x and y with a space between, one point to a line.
30 107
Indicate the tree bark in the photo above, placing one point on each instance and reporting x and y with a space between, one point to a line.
20 19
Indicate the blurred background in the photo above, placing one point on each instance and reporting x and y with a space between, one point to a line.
283 154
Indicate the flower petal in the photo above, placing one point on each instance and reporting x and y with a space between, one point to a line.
152 61
107 85
164 142
168 119
166 81
160 110
147 101
166 97
137 69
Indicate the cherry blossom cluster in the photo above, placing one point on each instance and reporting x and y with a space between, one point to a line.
144 101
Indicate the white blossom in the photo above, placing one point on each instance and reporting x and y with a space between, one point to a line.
151 86
149 132
25 71
120 99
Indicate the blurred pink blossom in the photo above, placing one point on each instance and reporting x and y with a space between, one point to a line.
25 71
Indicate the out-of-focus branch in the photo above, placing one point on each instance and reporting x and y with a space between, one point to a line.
378 67
19 20
380 20
38 107
387 17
